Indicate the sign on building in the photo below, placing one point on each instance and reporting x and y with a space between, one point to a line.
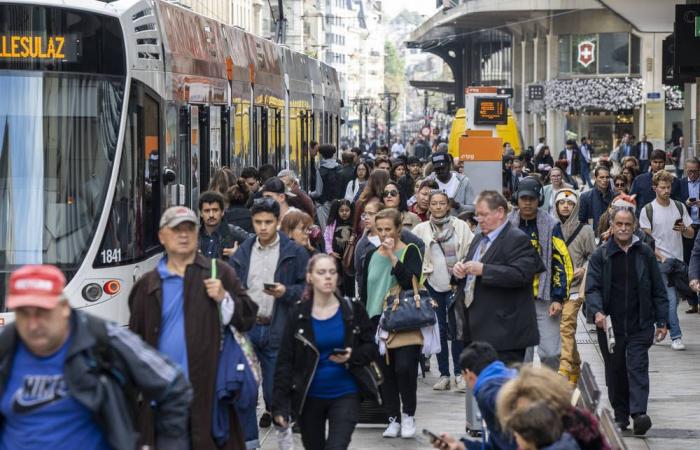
586 53
535 92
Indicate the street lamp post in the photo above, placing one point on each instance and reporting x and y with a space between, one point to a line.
389 97
363 105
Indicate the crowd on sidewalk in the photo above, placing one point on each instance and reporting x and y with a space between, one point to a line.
333 295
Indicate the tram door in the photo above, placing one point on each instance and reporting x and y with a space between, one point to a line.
305 150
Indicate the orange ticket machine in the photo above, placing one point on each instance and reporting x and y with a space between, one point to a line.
480 147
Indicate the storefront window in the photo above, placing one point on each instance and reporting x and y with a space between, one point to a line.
614 53
584 49
598 54
565 54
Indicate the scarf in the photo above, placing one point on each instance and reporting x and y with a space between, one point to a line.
443 235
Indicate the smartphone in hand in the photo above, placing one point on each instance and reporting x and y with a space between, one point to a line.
433 437
269 286
339 351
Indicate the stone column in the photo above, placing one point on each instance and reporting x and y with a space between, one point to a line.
535 66
523 92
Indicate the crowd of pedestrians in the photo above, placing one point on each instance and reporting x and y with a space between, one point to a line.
272 287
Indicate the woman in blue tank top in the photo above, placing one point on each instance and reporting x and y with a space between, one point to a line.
326 337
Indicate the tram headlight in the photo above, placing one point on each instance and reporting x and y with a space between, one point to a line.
112 287
92 292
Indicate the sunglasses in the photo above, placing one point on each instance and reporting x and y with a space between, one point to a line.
391 193
619 184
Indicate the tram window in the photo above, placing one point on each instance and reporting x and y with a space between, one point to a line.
214 138
194 155
132 227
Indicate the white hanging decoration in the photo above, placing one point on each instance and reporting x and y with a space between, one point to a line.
582 94
673 98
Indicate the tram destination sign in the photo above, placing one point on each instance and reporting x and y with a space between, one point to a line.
47 48
490 111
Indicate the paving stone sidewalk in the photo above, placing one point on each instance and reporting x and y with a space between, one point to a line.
674 404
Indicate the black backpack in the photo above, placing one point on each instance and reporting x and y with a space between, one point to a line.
333 189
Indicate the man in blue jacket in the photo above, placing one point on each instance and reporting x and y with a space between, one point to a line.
642 185
485 375
273 269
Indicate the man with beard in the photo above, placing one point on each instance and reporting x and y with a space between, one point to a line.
456 186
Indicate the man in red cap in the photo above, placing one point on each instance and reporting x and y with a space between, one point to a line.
64 375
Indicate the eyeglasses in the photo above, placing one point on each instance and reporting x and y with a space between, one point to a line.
620 185
390 193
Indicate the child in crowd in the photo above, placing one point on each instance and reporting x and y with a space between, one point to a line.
537 426
337 236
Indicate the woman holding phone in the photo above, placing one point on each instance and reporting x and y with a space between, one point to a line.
326 338
390 268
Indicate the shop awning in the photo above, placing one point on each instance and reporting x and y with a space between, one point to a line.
476 15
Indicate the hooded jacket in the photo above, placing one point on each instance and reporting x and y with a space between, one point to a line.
488 384
552 284
583 245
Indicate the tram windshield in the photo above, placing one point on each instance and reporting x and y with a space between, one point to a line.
58 137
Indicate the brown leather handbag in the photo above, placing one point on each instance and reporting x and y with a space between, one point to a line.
348 260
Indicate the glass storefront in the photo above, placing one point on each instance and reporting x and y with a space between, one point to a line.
598 54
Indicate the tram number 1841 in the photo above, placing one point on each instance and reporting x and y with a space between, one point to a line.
110 256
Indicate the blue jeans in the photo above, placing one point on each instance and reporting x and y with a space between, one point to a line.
443 357
674 325
259 337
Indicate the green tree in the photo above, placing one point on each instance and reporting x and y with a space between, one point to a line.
394 75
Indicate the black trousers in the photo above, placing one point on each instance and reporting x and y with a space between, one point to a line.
341 414
627 372
510 357
400 380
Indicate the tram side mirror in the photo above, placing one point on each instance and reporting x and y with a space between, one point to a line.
168 176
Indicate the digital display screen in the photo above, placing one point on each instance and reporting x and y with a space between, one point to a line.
43 48
490 111
60 39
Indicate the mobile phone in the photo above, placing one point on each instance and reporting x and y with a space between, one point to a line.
269 286
433 437
692 200
339 351
679 222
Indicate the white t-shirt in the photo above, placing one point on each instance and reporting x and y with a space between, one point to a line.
570 158
668 241
450 188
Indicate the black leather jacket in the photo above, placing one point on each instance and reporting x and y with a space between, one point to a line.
100 390
298 356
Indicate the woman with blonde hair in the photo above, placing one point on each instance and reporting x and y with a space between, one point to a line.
540 383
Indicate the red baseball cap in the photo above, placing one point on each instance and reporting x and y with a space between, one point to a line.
40 286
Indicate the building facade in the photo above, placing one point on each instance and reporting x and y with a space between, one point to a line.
601 76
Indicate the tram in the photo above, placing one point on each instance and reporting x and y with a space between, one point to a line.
112 112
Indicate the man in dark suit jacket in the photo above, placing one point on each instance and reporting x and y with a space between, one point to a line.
642 151
572 154
642 186
494 298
